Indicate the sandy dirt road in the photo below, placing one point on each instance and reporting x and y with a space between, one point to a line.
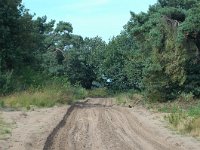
98 124
30 129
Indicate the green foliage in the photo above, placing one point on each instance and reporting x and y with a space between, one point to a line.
186 96
122 64
79 71
82 62
167 36
6 82
157 53
194 111
2 104
184 4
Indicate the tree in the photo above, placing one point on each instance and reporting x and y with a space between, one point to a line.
165 36
122 64
83 61
189 36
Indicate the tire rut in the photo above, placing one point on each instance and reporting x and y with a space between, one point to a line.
99 125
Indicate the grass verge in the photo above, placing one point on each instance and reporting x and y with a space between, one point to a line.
129 99
182 115
4 129
45 97
98 93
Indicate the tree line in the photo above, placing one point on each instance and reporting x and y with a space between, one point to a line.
157 53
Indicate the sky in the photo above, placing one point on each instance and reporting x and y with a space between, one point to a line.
90 18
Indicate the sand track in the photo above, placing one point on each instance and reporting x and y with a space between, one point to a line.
98 124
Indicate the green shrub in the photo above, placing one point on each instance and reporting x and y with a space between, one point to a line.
98 93
186 96
79 92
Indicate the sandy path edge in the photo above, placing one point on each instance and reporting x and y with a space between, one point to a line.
31 129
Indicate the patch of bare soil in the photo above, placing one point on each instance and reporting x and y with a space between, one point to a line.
31 129
98 124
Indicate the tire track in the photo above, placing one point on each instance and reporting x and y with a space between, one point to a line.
98 125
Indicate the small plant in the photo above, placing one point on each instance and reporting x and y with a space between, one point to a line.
2 104
176 118
129 98
79 93
122 99
4 129
194 111
184 123
98 93
194 127
186 96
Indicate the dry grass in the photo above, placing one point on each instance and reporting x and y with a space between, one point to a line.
27 99
46 97
195 127
98 93
185 124
4 129
129 99
184 116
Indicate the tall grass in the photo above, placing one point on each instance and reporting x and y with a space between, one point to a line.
47 96
98 93
4 129
129 98
185 123
184 115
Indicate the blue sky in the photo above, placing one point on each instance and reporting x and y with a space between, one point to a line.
90 18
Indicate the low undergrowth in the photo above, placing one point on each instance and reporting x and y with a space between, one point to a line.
129 99
48 96
4 129
182 114
98 93
184 123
